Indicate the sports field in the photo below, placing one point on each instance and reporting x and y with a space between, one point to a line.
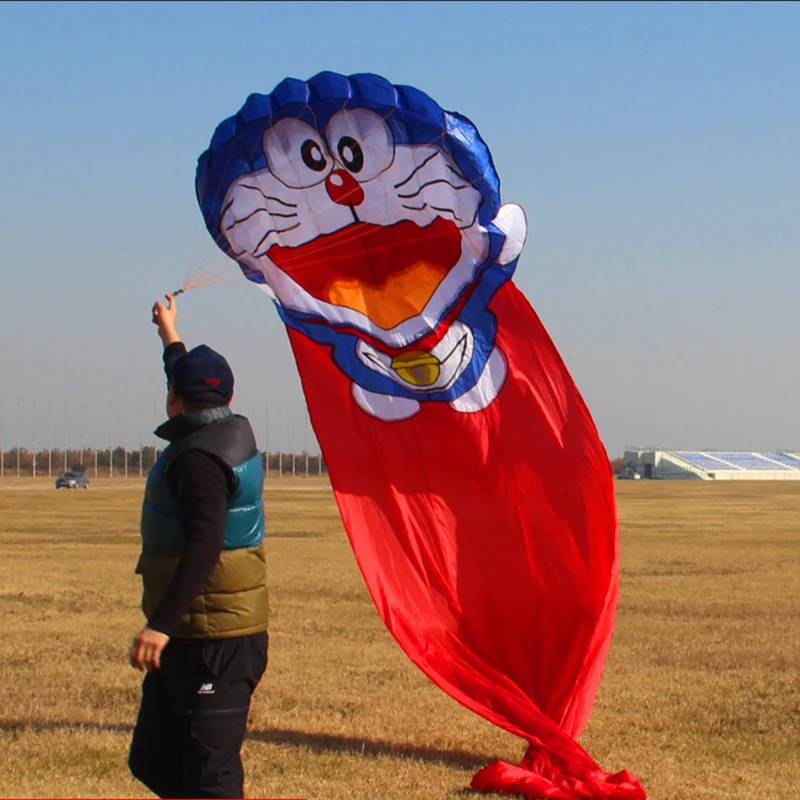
700 697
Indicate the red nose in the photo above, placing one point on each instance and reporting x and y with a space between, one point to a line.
343 188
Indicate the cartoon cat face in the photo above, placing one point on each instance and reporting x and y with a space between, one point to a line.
348 225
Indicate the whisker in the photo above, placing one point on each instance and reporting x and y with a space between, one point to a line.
430 183
471 222
456 172
322 245
253 213
267 196
448 210
432 155
255 252
435 208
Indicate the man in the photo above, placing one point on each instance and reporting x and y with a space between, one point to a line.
205 598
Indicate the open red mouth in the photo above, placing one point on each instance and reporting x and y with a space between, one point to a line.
387 272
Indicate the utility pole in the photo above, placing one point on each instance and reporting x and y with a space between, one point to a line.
293 447
155 440
305 442
141 446
80 432
33 453
65 435
94 416
111 439
125 442
266 440
18 465
49 439
280 442
33 456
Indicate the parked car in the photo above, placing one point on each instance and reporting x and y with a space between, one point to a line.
73 480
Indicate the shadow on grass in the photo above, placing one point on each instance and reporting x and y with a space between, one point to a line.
316 742
324 742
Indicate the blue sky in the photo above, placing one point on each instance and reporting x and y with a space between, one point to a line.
654 147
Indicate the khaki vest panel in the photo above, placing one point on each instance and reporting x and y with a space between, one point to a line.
234 601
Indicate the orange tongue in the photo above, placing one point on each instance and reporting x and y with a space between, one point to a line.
401 296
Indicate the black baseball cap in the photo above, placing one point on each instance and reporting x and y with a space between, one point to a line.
201 375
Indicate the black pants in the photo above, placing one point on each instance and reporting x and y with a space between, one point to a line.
193 717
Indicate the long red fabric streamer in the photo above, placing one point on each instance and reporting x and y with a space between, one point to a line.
488 542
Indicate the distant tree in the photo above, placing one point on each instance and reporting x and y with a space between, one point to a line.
119 459
617 465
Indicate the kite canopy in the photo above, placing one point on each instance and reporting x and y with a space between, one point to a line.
469 475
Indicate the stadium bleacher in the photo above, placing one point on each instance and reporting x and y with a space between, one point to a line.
709 465
793 462
741 460
750 461
702 460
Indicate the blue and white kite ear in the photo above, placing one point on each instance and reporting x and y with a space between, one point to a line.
510 220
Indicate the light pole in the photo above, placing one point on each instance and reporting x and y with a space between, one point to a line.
292 439
49 439
141 446
65 435
305 443
125 438
33 453
266 440
280 442
18 436
80 433
111 438
155 440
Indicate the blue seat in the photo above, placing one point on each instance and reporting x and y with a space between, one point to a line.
703 460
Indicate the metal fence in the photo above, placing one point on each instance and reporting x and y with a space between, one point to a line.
72 434
120 462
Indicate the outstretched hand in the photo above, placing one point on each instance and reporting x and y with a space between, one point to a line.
165 317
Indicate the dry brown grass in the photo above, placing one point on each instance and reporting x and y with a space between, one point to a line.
699 698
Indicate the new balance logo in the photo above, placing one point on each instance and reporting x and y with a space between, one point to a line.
206 688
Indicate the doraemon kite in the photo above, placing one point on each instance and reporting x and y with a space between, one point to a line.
470 478
374 239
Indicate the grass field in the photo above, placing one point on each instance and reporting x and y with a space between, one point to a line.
700 697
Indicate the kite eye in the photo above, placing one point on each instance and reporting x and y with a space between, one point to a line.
311 154
363 141
351 154
296 153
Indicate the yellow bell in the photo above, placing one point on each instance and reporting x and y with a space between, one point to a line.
417 368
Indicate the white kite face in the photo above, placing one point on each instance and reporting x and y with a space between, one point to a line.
349 226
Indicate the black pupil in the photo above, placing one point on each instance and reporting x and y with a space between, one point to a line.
312 155
351 153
